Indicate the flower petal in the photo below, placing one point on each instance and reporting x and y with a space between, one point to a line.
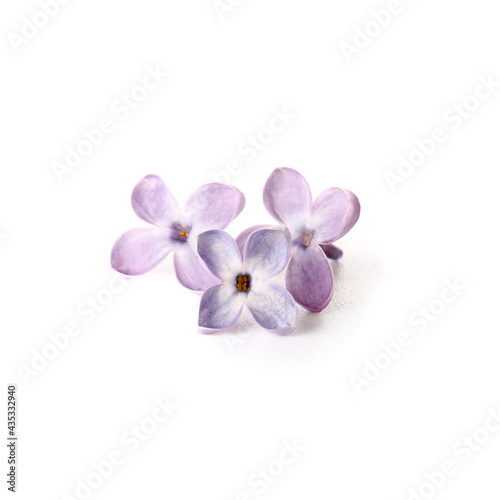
267 252
190 270
220 307
241 240
214 206
273 308
309 278
332 252
333 214
220 253
153 202
139 250
287 197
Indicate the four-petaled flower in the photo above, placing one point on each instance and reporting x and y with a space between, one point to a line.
313 226
212 206
244 281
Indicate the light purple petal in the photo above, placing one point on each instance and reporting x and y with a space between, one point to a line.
190 270
287 197
214 206
139 250
273 308
267 252
220 307
153 202
333 214
220 254
332 252
241 240
309 278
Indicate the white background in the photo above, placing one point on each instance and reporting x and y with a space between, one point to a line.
242 393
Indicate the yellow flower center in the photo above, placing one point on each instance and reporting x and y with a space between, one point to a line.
305 238
180 232
243 283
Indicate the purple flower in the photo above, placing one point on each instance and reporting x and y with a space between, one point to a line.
244 281
313 227
212 206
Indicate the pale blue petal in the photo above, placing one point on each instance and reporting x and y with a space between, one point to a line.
242 238
190 270
273 308
220 254
220 307
267 252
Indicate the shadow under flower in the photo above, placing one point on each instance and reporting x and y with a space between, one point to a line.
357 278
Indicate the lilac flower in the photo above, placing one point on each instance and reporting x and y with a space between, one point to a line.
313 227
212 206
244 281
